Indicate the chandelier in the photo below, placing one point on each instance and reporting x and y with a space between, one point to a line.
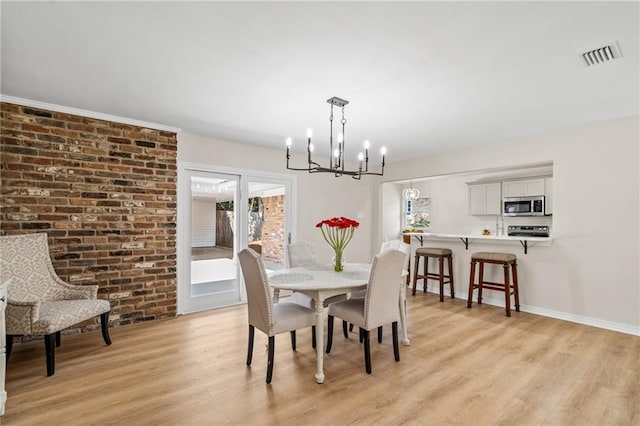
411 193
336 155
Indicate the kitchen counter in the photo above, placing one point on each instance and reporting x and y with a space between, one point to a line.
523 240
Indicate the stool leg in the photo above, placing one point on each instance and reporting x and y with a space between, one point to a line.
480 282
516 290
507 289
415 274
450 262
425 278
472 275
441 265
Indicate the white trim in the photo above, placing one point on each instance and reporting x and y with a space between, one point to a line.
85 113
580 319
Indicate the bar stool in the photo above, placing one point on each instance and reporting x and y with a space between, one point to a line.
504 259
438 253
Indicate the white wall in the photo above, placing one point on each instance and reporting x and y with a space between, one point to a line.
590 272
319 196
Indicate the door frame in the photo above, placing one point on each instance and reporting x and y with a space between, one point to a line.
183 237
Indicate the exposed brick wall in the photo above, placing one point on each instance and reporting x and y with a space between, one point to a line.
105 193
273 228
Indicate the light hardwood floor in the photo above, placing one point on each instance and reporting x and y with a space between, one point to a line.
464 366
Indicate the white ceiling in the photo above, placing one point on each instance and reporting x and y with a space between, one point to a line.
421 78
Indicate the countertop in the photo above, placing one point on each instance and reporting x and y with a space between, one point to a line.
477 236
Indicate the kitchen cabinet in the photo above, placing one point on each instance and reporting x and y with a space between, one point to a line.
523 188
484 198
548 199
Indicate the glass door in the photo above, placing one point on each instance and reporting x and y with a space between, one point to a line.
212 225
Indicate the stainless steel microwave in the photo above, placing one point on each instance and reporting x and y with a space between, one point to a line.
523 206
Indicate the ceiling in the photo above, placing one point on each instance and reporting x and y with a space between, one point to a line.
421 77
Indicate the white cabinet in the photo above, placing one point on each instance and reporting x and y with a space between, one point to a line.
523 188
548 192
484 198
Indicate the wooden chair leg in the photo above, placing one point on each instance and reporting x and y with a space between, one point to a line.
425 279
50 352
345 329
293 339
350 327
380 334
441 277
396 347
272 349
415 275
367 350
451 287
57 339
507 289
104 325
330 332
472 276
516 290
480 282
250 345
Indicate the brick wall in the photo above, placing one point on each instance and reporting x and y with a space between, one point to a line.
273 228
105 193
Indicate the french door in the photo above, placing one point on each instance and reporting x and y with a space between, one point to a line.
220 212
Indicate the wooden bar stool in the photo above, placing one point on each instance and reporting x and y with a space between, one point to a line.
441 254
504 259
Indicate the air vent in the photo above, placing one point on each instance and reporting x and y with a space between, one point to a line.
602 54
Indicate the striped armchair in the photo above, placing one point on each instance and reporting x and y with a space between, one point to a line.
38 301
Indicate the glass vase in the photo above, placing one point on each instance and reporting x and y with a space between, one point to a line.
338 261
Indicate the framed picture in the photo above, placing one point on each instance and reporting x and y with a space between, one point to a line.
417 213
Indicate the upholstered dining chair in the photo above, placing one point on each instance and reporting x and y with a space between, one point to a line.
396 245
38 301
303 254
378 307
268 317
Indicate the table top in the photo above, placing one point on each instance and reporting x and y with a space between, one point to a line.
321 277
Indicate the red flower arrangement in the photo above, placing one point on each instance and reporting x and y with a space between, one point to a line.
337 232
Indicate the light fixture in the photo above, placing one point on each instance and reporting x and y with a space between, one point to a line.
336 156
411 193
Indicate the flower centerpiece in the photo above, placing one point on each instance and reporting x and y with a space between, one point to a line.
337 232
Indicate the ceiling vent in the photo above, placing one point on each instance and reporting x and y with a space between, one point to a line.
602 54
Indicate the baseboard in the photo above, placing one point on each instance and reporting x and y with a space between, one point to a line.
580 319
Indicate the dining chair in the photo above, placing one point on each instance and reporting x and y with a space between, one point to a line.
392 244
378 307
268 317
303 254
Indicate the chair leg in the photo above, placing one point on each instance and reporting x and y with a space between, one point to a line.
415 275
313 336
441 265
425 279
516 291
350 327
367 349
472 276
250 344
50 352
293 339
330 332
272 349
450 262
507 290
57 339
345 329
9 347
380 334
480 282
394 333
104 325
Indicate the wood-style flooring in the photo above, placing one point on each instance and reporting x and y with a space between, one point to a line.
464 367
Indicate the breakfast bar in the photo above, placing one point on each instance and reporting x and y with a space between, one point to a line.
467 238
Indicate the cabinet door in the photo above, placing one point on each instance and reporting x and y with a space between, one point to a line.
476 199
513 188
493 200
534 187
